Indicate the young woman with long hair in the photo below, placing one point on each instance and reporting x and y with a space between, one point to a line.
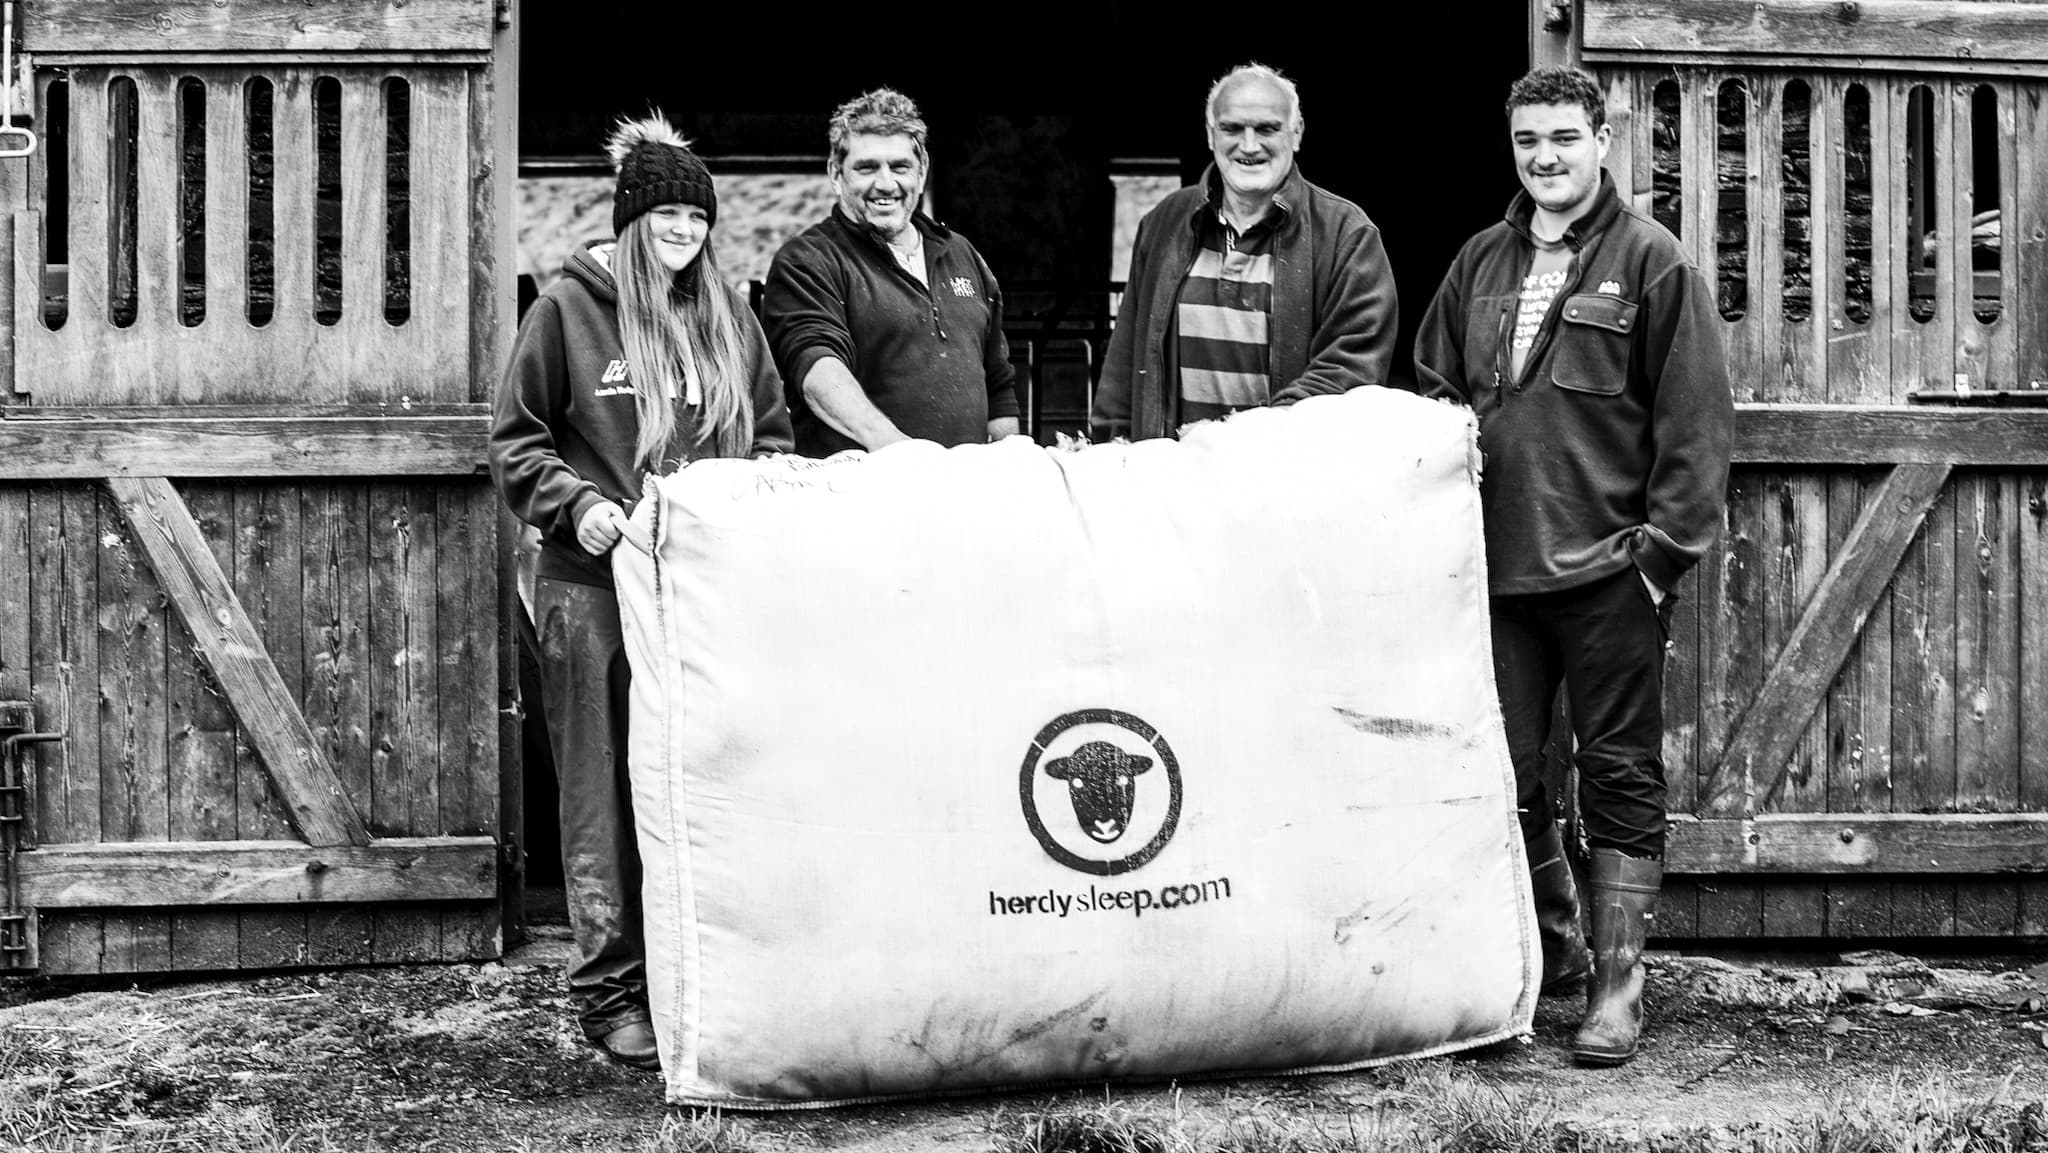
637 360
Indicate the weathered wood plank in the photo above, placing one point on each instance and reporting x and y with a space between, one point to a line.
134 804
1874 30
15 584
335 576
1751 770
92 447
152 26
444 196
155 874
268 714
291 361
1848 434
466 611
2026 248
64 640
1987 560
404 686
1923 702
203 786
367 352
267 581
1859 843
2032 692
227 216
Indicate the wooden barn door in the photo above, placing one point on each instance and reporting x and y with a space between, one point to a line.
1858 729
250 611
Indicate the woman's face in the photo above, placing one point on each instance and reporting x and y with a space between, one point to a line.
679 232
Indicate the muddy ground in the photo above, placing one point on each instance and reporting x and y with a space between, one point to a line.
463 1057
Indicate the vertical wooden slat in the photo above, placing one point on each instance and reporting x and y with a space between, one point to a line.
1923 687
444 194
202 751
134 801
1971 337
1765 318
2001 344
15 603
64 564
403 686
87 244
2026 242
1858 372
1938 351
335 528
292 335
466 613
267 553
365 360
147 373
2033 687
1793 529
1618 84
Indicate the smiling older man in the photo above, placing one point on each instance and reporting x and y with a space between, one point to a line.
886 324
1253 287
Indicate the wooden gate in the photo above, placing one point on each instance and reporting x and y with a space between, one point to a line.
249 558
1858 729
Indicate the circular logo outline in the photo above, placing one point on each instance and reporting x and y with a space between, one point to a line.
1027 792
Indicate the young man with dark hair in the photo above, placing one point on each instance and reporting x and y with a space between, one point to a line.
1589 347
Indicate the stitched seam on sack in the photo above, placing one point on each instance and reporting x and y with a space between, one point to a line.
679 827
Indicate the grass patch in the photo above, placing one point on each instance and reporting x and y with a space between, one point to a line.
707 1132
1434 1109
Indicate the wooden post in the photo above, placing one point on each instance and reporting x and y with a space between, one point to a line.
1553 32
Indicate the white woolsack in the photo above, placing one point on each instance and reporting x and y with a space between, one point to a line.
875 697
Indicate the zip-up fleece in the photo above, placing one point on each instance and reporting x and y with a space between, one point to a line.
563 434
1611 449
1334 307
933 360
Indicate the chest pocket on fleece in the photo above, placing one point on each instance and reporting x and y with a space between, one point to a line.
1595 333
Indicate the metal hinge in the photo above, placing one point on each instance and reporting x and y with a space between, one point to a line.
504 13
17 921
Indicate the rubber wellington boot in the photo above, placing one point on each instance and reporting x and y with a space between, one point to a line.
1624 889
1565 962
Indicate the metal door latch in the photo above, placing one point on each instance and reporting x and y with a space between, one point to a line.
17 934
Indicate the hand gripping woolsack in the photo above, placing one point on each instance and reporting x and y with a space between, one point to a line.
993 766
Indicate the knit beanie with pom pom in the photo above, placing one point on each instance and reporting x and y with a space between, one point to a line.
656 166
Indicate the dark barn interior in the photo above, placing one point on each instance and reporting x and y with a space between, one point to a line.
1031 111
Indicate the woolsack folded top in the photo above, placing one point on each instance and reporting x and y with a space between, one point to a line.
656 166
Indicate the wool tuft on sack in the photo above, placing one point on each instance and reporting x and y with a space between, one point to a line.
997 765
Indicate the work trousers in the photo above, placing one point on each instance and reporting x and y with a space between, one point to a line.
1605 643
585 685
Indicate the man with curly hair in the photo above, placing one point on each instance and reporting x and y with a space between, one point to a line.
1588 345
1253 287
886 324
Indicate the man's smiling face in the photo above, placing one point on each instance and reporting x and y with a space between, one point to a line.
1254 130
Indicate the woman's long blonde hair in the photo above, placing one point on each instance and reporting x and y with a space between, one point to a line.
670 321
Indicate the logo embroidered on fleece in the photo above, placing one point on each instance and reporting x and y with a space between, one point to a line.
1611 287
963 287
615 371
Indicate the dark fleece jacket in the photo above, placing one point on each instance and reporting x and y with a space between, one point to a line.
1612 448
933 360
563 435
1334 307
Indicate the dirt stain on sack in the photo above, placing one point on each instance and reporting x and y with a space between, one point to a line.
1396 728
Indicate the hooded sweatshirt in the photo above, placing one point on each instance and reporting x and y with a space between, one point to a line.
567 420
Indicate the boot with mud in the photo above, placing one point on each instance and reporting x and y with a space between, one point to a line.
1624 890
1565 961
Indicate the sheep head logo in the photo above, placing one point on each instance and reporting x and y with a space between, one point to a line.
1101 780
1101 791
